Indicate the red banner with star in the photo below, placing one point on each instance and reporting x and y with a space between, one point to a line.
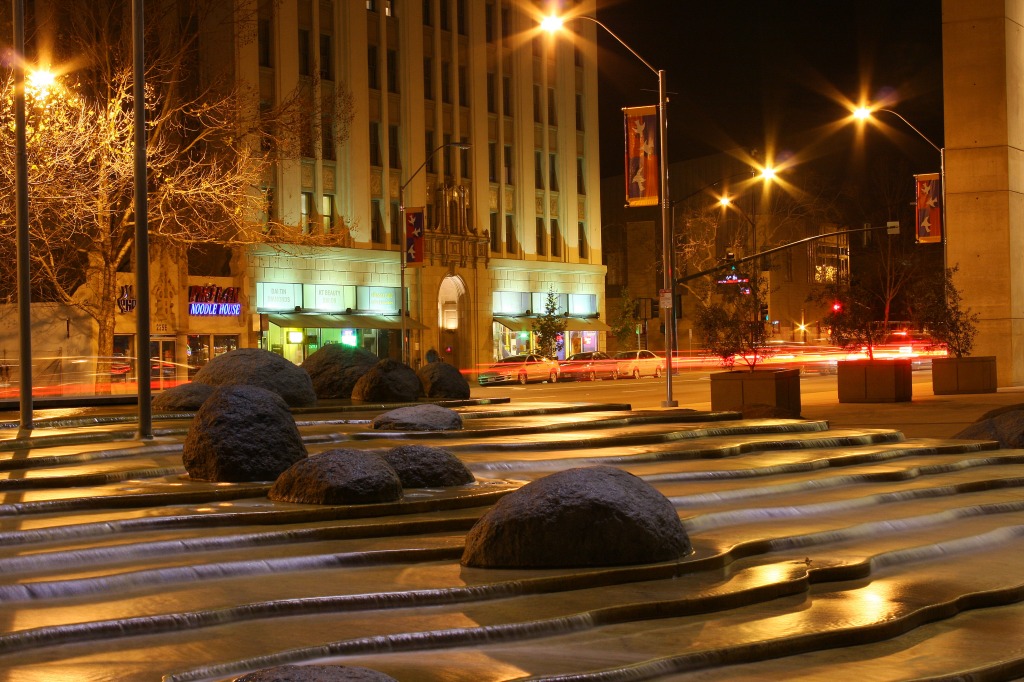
414 236
642 167
929 208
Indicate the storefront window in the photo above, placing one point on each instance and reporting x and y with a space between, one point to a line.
296 344
508 342
203 347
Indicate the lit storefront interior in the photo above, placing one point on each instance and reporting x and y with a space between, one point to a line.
516 313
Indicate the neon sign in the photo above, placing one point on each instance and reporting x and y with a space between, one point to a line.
211 300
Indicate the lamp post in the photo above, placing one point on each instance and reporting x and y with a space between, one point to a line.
552 24
405 247
21 212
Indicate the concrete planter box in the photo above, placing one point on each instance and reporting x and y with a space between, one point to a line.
964 375
775 387
874 381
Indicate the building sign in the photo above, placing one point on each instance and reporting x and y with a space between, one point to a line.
642 167
377 299
208 301
278 296
126 301
330 298
929 208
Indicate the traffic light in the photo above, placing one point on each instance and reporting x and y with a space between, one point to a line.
837 307
764 312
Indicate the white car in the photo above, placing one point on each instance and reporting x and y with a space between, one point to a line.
638 363
522 368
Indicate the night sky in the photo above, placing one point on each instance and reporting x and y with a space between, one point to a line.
772 75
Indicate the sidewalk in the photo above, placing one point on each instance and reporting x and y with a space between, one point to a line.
926 416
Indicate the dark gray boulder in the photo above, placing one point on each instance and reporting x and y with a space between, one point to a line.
1003 425
590 516
422 466
187 397
315 673
341 476
419 418
441 380
335 369
389 381
242 433
258 367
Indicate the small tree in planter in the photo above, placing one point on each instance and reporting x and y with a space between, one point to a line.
940 310
734 328
852 326
550 328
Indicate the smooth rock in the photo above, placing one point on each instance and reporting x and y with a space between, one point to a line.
419 418
187 397
334 369
258 367
423 466
389 381
441 380
341 476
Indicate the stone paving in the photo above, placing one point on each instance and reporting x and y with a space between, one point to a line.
819 553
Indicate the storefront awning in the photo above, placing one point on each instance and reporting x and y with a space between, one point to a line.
572 324
331 321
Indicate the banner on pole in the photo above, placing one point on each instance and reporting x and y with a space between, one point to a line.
642 167
929 208
414 236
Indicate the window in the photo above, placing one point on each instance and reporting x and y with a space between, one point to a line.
392 71
446 155
495 235
492 103
371 5
538 165
389 8
463 89
375 143
581 188
396 224
556 239
428 78
577 56
265 44
327 212
445 25
373 77
540 236
428 12
304 47
326 58
327 138
394 160
584 245
430 165
446 84
509 180
460 16
464 162
504 22
552 118
553 172
579 111
536 104
376 223
510 234
506 95
489 22
492 161
306 209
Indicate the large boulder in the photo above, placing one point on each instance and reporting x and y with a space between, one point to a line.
242 433
441 380
315 673
1005 425
419 418
258 367
335 369
590 516
423 466
389 381
187 397
341 476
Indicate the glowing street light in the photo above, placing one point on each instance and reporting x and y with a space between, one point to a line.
554 23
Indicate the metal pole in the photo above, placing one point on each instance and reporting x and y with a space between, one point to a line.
21 211
402 239
143 369
668 280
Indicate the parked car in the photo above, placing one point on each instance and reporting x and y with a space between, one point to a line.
522 368
638 363
587 366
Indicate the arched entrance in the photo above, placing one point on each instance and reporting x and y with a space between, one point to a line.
452 325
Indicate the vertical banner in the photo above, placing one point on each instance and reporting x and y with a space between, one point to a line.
414 236
929 208
642 167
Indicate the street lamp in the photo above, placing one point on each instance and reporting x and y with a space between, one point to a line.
21 219
405 247
552 24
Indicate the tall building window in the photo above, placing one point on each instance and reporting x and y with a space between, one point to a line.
464 162
579 111
327 212
396 224
428 12
507 159
371 5
506 95
304 48
537 104
446 155
489 22
553 172
584 245
394 158
510 234
541 237
392 71
538 165
495 235
504 22
306 211
460 16
326 58
556 239
265 43
552 117
431 166
492 104
372 75
327 138
446 82
428 78
492 161
445 24
376 223
375 143
581 188
463 89
389 8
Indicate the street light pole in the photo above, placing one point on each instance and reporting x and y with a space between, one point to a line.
402 240
21 218
552 24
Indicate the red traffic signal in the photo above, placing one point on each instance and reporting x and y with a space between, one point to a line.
837 307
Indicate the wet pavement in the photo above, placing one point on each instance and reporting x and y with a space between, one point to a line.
831 547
